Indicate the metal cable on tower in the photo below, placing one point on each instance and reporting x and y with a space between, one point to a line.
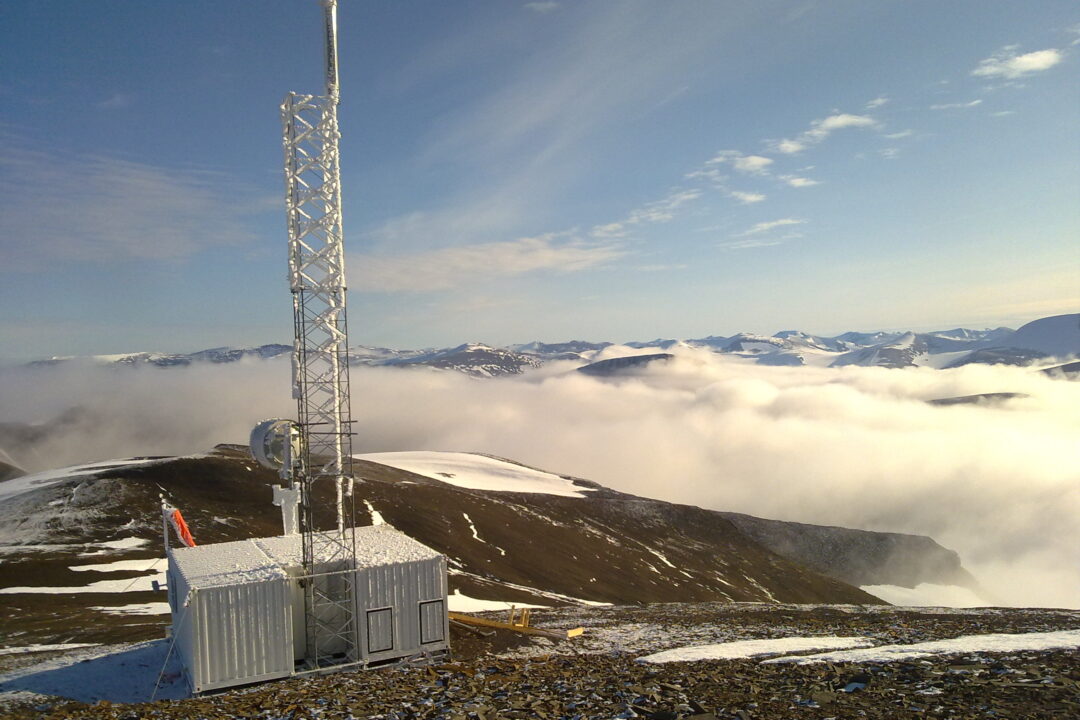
320 359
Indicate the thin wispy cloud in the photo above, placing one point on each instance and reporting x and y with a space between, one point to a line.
747 198
796 181
889 153
611 230
877 102
62 208
663 210
543 8
747 164
1002 113
116 101
764 227
957 105
710 174
463 266
898 135
661 268
820 130
751 243
1009 65
658 211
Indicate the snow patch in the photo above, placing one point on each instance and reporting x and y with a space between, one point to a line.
460 602
376 516
660 555
145 565
27 649
151 608
478 472
119 674
472 528
996 642
755 648
142 583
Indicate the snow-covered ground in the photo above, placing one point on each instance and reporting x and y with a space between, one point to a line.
150 608
477 472
863 649
118 673
28 649
459 602
995 642
755 648
152 569
26 483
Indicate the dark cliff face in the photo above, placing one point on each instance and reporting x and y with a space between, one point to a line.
8 471
859 557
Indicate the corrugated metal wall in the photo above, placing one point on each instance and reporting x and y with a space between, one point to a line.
392 599
236 634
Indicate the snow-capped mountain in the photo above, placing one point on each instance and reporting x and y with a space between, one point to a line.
474 359
572 350
896 353
212 355
1057 336
1051 337
80 545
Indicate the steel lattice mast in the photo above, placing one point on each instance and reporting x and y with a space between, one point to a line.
320 358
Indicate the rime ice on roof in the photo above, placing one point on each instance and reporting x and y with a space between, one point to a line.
222 564
259 559
375 545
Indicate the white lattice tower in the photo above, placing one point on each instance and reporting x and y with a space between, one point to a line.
320 358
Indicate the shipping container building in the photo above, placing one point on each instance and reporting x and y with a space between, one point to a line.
238 607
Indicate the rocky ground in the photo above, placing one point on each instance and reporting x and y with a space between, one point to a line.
599 675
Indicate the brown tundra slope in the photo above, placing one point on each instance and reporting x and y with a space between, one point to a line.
67 531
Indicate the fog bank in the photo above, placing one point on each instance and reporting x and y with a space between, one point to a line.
857 447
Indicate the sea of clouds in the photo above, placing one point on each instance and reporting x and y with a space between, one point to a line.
856 447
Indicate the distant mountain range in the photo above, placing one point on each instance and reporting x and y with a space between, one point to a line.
1046 339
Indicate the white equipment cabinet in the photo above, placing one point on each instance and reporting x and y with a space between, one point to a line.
238 607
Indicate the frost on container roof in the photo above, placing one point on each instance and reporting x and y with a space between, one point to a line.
375 545
262 559
221 564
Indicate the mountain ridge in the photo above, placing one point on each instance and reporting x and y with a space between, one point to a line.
1043 339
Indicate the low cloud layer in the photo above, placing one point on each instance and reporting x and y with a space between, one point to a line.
857 447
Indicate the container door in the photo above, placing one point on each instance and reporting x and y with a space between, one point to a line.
432 621
380 630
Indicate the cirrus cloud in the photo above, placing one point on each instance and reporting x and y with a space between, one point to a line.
821 129
768 225
460 266
1007 64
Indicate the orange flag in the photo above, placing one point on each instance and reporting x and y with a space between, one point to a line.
181 528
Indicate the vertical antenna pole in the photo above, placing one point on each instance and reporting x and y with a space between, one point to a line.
330 14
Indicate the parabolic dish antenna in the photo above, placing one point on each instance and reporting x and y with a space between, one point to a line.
275 443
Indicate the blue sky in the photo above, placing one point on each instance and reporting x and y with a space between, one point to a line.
541 170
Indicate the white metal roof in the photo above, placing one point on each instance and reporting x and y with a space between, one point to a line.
261 559
221 564
375 545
